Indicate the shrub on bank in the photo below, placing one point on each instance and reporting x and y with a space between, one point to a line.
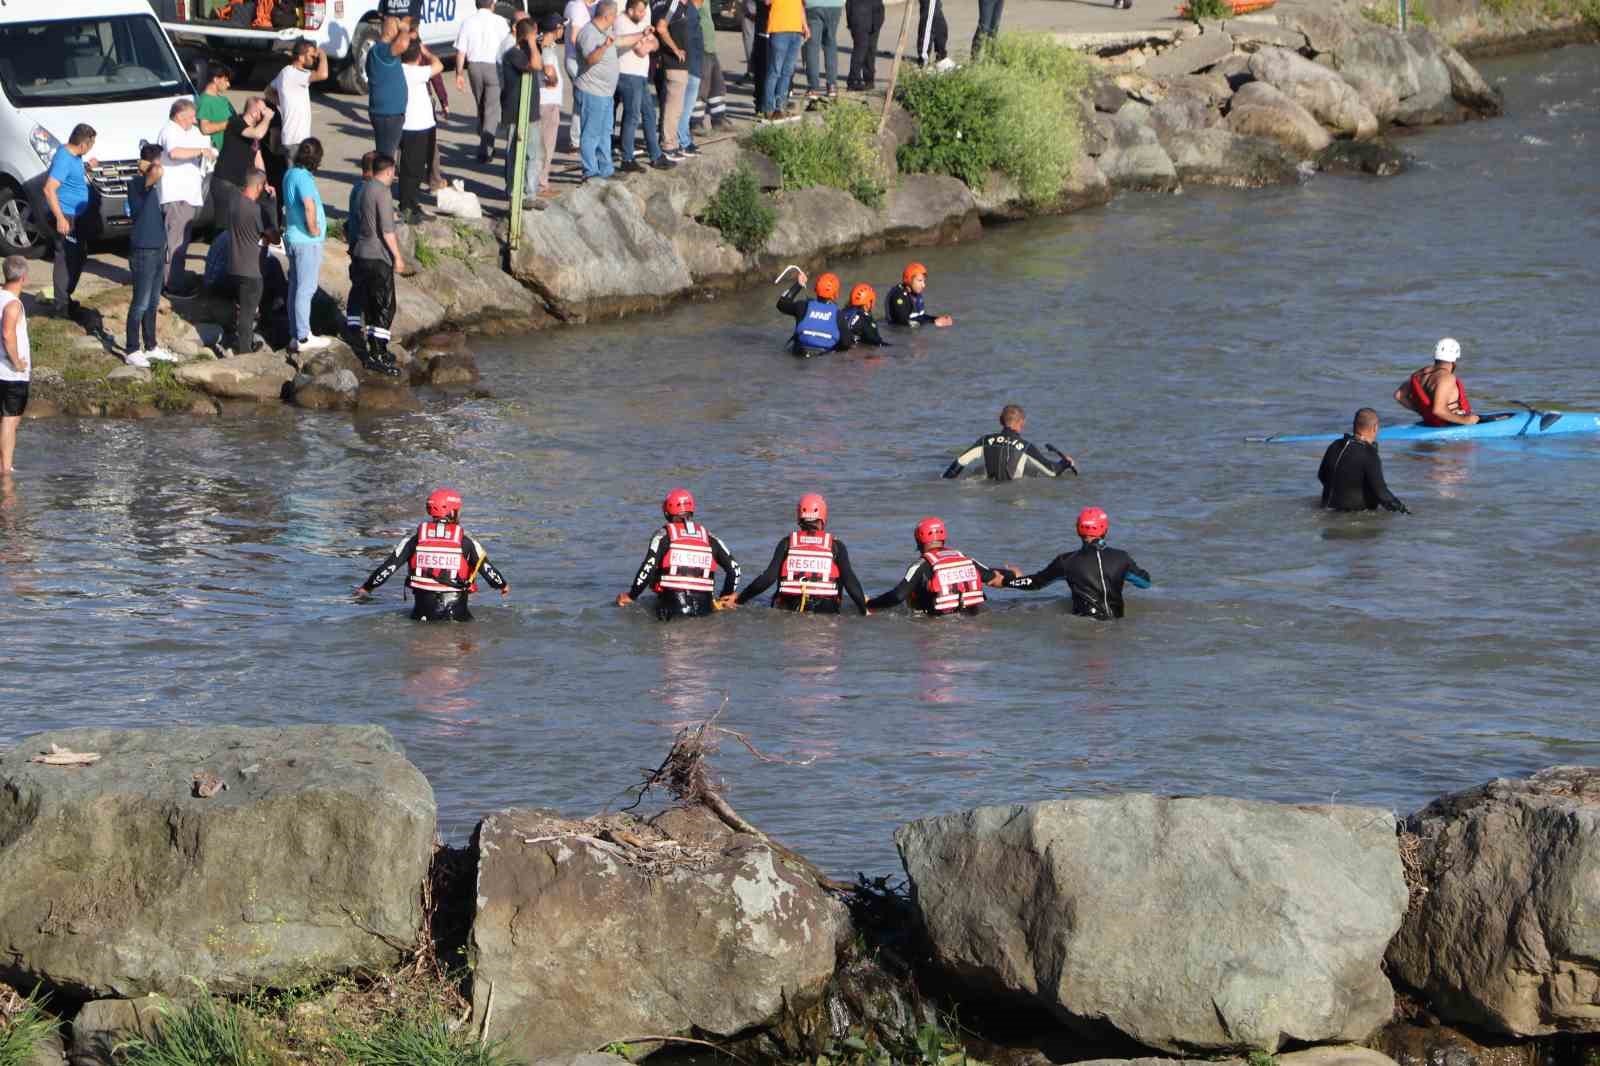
841 153
1015 110
24 1027
738 211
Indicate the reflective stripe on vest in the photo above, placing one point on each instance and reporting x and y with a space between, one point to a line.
809 568
819 327
689 564
955 582
438 564
1425 401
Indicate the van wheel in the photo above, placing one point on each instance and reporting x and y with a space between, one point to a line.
353 78
19 234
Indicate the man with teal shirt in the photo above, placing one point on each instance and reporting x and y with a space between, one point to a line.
712 104
386 86
66 193
823 18
306 229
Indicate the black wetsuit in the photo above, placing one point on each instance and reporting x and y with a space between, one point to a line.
678 603
906 309
813 604
1007 456
793 302
1352 478
429 605
1095 573
913 589
857 326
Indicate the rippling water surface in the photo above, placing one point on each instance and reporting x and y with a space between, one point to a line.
198 571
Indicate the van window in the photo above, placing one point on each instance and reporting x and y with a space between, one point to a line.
88 61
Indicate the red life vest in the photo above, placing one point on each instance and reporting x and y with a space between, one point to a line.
1425 401
438 564
955 583
809 569
689 564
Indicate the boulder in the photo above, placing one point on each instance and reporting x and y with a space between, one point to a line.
1193 55
1376 96
377 398
1212 87
1135 111
1235 70
1377 157
1108 95
927 208
1323 30
101 1025
1382 58
1432 103
129 374
581 938
818 222
1328 97
1334 1055
1218 156
1195 924
115 880
1134 158
453 368
259 376
1183 109
1468 86
1502 931
1259 110
1251 36
50 1051
334 390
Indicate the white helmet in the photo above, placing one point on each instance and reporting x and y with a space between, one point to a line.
1447 350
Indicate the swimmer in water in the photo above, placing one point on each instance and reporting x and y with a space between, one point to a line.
810 565
856 324
943 580
681 565
816 320
1007 456
905 301
1094 573
443 564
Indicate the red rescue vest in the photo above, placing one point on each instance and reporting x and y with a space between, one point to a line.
1425 401
438 564
809 569
689 564
955 583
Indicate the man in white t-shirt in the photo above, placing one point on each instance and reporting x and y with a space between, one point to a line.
184 151
577 14
290 96
484 35
16 362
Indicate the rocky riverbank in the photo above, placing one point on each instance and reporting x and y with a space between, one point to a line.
298 867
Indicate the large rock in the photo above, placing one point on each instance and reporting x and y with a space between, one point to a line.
259 376
103 1025
1433 102
1218 156
925 208
1377 157
1183 109
1330 99
1379 64
579 940
817 222
1134 158
1503 931
1001 200
1259 110
1185 924
1324 31
1250 35
334 390
1193 55
1468 86
116 880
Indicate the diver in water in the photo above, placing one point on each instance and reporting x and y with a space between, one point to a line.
811 566
817 326
1094 573
856 324
681 565
443 564
1007 456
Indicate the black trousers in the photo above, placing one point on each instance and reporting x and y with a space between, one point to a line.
356 305
416 155
865 19
989 12
934 37
758 66
69 254
675 603
376 279
244 319
430 606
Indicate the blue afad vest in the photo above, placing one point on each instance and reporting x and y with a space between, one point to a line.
819 328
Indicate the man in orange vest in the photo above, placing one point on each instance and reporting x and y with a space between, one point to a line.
811 566
443 564
942 580
681 565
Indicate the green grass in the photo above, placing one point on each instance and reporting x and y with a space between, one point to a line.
1209 10
1015 111
1261 1058
740 213
840 153
208 1032
1590 10
412 1041
423 254
22 1033
336 230
1387 13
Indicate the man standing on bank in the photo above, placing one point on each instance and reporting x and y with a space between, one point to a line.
66 193
481 39
1352 473
16 363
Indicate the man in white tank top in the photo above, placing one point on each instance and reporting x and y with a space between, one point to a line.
16 364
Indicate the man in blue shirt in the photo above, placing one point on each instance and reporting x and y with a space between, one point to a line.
66 191
386 85
147 244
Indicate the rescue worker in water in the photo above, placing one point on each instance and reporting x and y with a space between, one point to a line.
817 328
810 565
942 580
443 564
1095 573
681 565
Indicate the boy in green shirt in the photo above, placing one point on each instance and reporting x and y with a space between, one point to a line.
213 109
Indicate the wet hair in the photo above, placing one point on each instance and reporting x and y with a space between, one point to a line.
150 153
1366 418
366 162
215 70
381 161
309 155
82 134
16 268
179 107
1011 413
255 178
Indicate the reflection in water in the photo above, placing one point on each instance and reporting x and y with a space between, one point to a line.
442 677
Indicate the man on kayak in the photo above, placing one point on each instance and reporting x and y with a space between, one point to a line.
1435 393
1007 456
1352 473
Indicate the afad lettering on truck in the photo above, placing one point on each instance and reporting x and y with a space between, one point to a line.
425 10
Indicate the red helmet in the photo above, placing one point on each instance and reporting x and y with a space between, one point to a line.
828 287
1093 523
812 508
443 503
930 530
678 502
912 271
863 296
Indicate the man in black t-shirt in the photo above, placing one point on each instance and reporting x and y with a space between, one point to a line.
1352 472
248 228
241 140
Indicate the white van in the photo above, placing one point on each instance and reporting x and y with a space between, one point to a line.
104 62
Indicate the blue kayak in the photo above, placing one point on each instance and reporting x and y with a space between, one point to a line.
1500 425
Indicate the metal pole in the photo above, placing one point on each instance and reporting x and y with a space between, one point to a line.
894 68
519 166
1403 19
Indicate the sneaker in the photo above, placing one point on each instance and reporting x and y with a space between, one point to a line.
690 150
161 355
138 359
630 167
315 343
944 66
663 162
676 155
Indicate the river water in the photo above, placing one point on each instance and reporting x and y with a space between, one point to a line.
198 571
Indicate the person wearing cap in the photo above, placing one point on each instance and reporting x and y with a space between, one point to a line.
442 563
1095 573
1352 473
1007 456
1435 393
905 301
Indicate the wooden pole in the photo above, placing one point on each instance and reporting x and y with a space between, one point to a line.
519 168
894 68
